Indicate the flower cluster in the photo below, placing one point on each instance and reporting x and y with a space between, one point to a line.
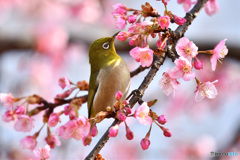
188 51
139 33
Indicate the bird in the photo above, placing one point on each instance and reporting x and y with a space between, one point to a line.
109 74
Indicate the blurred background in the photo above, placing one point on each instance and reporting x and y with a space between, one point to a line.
43 40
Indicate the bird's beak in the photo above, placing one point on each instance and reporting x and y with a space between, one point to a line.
115 35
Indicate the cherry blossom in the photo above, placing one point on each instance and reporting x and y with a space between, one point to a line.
64 82
143 55
19 110
113 131
219 52
186 4
211 7
141 114
129 133
206 89
24 123
132 18
182 69
121 116
122 36
120 15
186 48
198 64
179 20
167 132
52 140
145 143
8 116
164 22
118 95
42 153
29 142
7 100
162 119
168 84
94 130
53 119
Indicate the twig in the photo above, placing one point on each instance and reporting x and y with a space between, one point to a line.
178 33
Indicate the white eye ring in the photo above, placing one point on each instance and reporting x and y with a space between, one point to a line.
105 45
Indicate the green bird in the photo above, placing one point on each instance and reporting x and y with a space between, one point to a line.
109 74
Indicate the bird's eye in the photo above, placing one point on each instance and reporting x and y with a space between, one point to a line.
105 45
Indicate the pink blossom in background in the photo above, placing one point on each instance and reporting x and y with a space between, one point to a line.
29 142
144 55
42 153
182 69
113 131
8 116
164 22
219 52
168 84
179 20
120 15
20 110
53 119
211 7
24 123
52 140
206 89
64 82
164 1
141 114
7 100
186 48
145 143
186 4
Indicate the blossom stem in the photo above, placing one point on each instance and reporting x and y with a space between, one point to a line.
207 52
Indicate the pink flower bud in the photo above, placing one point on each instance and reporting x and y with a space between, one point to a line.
145 143
67 110
132 18
198 64
118 95
8 116
113 131
121 116
94 130
179 20
29 142
53 119
52 141
87 140
129 133
64 82
128 110
162 119
19 110
126 102
72 115
167 133
122 36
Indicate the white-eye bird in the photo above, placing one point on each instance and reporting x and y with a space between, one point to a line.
109 74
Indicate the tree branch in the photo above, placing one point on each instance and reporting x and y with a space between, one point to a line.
177 34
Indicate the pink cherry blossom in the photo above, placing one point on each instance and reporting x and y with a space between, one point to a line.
159 43
219 52
122 36
182 69
64 82
186 4
120 15
141 114
129 133
52 140
113 131
132 18
211 7
94 130
29 142
145 143
162 119
164 1
24 123
186 48
118 95
206 89
42 153
8 116
168 84
64 94
7 100
120 8
53 119
76 129
144 55
87 140
164 22
179 20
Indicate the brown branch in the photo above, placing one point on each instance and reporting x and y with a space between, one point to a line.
138 70
178 33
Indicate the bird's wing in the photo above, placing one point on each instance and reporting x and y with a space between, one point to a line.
92 91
